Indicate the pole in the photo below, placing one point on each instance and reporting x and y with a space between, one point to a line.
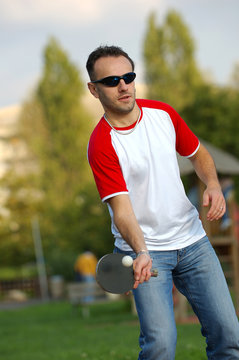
41 268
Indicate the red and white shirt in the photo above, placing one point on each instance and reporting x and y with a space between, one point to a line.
143 164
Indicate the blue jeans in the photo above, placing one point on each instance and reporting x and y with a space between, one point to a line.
197 274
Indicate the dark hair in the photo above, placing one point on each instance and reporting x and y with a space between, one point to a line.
104 51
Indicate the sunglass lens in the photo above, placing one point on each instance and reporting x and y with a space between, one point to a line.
111 81
128 78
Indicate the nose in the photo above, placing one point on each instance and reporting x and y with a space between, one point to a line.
122 85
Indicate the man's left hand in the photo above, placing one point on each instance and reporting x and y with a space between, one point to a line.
214 196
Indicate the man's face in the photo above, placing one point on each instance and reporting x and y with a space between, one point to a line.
121 98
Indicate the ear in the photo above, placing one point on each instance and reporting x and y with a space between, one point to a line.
93 89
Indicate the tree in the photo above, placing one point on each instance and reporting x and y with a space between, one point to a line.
213 117
22 201
234 78
172 76
65 121
56 128
170 68
16 245
64 129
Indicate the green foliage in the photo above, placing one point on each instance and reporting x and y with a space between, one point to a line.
170 67
60 86
58 144
173 77
79 225
95 222
21 272
68 220
55 182
16 246
59 262
65 122
214 117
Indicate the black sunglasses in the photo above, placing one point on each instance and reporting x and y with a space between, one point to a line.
112 81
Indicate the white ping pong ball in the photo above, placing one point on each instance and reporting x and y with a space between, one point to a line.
127 261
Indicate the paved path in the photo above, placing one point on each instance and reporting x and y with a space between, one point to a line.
12 305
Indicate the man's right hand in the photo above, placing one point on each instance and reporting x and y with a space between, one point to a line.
142 269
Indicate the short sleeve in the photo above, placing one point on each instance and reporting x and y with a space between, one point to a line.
104 163
187 142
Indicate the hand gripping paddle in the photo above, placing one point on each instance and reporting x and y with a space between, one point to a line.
113 276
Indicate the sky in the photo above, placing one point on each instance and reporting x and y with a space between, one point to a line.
82 25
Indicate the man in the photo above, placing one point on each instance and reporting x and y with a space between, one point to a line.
132 153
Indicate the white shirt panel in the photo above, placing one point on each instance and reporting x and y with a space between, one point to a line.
148 161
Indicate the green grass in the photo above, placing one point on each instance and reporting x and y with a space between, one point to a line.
55 332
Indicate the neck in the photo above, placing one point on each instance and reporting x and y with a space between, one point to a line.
123 120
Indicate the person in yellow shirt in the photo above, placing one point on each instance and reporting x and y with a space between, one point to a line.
85 267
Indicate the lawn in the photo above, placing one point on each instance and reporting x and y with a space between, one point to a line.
55 332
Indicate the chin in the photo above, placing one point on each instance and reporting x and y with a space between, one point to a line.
127 108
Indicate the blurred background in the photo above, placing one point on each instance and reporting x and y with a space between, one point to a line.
186 54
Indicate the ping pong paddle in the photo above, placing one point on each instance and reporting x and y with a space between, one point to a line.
113 276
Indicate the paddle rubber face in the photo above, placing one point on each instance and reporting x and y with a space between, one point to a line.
113 276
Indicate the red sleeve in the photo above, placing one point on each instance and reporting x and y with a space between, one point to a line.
104 163
187 142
